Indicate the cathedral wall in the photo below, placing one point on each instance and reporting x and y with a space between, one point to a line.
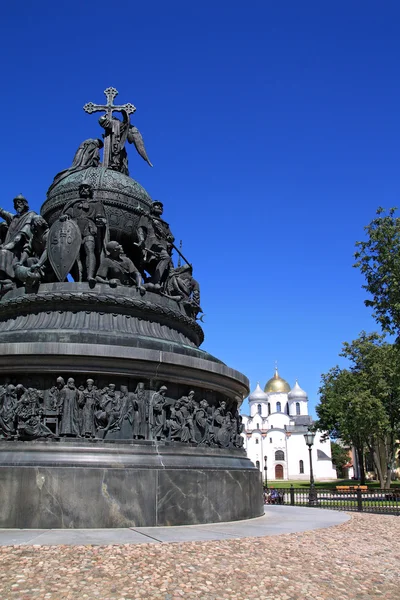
275 399
278 421
258 445
298 451
303 405
254 409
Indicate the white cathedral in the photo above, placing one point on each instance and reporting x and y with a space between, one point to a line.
274 434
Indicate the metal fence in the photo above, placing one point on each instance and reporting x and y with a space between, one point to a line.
372 500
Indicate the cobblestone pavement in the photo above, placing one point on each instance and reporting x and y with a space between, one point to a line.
358 560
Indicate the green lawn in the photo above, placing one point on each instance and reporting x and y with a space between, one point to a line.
326 485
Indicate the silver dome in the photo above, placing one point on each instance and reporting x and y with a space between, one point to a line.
258 395
296 393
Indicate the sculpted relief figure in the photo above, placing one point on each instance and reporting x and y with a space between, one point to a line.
29 415
69 409
117 269
226 432
55 394
89 402
202 423
157 415
223 427
155 241
125 419
15 235
177 425
238 429
114 414
88 412
109 415
8 406
139 416
187 410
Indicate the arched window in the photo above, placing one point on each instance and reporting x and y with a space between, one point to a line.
269 408
278 407
259 409
297 408
279 455
256 440
301 466
287 408
258 464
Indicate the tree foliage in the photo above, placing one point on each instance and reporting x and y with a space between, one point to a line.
378 259
361 405
340 457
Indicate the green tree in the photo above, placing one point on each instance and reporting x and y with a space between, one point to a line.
378 259
340 457
361 405
378 362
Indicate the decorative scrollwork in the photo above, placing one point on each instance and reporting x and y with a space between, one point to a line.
98 301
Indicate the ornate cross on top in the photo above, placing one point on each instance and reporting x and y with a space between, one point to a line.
109 108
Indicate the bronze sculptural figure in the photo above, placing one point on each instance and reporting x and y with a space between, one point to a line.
90 218
155 242
17 233
81 243
87 155
117 269
69 401
117 132
91 413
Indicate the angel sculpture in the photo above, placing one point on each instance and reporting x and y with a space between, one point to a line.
119 133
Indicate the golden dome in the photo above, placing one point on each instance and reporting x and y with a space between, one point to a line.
276 385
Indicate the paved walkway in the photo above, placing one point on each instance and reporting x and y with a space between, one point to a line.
277 520
355 560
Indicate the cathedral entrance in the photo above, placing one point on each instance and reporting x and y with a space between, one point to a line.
278 471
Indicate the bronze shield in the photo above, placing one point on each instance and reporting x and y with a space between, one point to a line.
223 437
64 245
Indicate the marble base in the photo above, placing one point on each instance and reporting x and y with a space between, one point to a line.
98 485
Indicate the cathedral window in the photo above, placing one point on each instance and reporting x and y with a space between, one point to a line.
301 466
270 440
279 455
258 464
278 407
259 409
269 408
297 408
256 440
287 408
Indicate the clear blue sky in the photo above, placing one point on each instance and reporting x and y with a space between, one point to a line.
274 131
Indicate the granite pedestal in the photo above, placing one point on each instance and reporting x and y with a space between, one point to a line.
81 484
